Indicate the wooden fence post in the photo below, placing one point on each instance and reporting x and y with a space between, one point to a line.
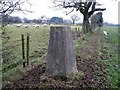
27 54
23 50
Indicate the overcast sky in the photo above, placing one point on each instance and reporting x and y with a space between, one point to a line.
44 7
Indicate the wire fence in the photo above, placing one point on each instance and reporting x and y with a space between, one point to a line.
18 43
22 48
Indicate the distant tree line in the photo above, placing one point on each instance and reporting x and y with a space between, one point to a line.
56 20
41 20
96 20
14 19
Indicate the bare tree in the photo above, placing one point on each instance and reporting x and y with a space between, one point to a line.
42 18
9 6
74 18
86 7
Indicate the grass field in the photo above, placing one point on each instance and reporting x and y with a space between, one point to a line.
111 61
38 48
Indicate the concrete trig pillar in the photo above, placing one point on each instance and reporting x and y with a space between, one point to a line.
61 55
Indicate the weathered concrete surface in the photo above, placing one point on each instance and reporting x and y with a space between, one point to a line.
61 55
1 59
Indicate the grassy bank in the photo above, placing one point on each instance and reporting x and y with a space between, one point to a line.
109 54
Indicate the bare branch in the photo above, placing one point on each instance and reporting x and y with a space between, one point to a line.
10 6
89 5
93 6
70 11
97 9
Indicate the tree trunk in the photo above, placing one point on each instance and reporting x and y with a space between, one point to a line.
86 25
73 22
